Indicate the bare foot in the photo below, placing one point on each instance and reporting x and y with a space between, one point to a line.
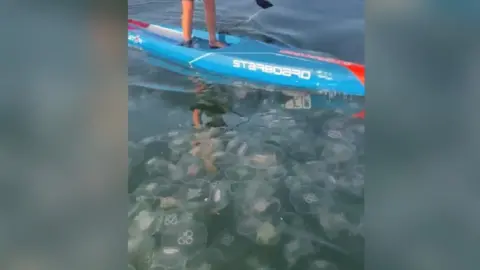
216 44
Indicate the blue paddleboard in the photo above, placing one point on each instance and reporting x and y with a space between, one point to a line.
247 60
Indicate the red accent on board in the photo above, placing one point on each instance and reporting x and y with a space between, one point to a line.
357 69
138 23
360 115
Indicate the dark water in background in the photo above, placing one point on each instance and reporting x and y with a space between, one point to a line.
333 27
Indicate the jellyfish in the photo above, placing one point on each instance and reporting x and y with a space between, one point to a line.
237 146
297 248
150 189
322 265
136 153
248 225
223 159
143 222
196 193
332 223
188 237
172 218
262 208
157 166
240 173
254 263
130 267
262 230
313 172
264 156
158 193
352 183
179 144
205 259
189 168
136 206
292 220
267 234
254 189
219 195
339 122
168 258
307 199
338 151
230 245
139 244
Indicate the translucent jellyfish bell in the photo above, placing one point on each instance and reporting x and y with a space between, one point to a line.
139 245
313 173
150 189
230 245
240 173
339 122
172 218
180 144
269 232
190 168
168 258
188 237
333 223
260 231
338 151
254 263
143 222
136 206
157 166
237 146
307 199
254 189
195 193
293 220
352 183
322 265
219 195
264 156
261 207
205 259
224 159
136 153
297 248
248 225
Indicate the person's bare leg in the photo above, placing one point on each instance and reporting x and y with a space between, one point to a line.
187 19
210 19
